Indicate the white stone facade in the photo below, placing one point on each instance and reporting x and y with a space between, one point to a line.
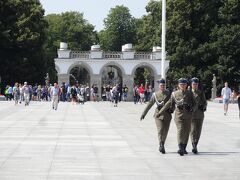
95 60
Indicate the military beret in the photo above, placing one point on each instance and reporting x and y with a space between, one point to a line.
195 80
182 81
161 81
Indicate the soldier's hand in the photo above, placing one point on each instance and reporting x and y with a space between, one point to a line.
142 117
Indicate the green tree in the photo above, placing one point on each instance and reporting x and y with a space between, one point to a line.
22 34
148 29
119 29
225 44
202 39
68 27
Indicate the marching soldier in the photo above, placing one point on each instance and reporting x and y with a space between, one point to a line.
185 105
162 121
198 115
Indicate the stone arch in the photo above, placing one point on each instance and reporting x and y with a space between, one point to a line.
114 64
82 64
147 65
80 72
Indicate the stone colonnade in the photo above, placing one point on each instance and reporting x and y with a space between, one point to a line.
95 60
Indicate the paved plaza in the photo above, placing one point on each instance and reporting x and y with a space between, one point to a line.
97 141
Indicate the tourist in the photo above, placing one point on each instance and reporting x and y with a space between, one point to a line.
26 93
16 93
55 93
141 91
226 94
135 94
125 92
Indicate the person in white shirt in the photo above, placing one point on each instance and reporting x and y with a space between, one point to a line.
26 93
55 93
226 94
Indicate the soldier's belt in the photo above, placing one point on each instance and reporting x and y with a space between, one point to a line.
159 107
180 107
185 107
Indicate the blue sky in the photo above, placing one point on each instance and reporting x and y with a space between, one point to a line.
94 10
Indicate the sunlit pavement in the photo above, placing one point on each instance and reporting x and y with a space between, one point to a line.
100 142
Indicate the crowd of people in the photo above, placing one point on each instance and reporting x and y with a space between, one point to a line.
188 101
79 93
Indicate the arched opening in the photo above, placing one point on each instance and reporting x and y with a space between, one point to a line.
144 75
79 75
111 76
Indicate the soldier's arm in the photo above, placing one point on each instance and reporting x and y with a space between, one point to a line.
149 105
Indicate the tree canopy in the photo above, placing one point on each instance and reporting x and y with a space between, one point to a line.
202 39
119 29
22 34
68 27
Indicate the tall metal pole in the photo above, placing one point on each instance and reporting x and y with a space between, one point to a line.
163 37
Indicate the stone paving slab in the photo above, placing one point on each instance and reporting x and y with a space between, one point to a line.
97 141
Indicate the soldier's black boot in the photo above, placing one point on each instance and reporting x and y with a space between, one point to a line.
181 149
161 148
194 150
184 149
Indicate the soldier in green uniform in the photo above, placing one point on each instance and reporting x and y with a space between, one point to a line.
185 105
198 115
162 121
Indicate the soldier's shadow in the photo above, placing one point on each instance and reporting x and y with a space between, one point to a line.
217 153
208 153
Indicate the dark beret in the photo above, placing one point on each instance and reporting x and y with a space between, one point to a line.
195 80
161 81
182 81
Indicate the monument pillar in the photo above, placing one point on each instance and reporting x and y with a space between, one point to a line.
214 88
129 81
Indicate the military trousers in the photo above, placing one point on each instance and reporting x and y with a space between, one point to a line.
162 128
196 127
183 124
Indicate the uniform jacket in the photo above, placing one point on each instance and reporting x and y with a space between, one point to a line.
179 99
201 103
160 98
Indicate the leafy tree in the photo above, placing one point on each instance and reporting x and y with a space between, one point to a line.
225 43
22 34
202 39
149 28
68 27
119 29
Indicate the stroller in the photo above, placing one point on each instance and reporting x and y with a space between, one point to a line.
80 98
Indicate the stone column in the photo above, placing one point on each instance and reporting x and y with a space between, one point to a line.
63 78
129 81
96 79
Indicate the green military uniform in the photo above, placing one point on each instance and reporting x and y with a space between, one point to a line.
162 121
185 105
197 118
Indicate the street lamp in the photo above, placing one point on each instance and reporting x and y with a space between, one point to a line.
163 37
